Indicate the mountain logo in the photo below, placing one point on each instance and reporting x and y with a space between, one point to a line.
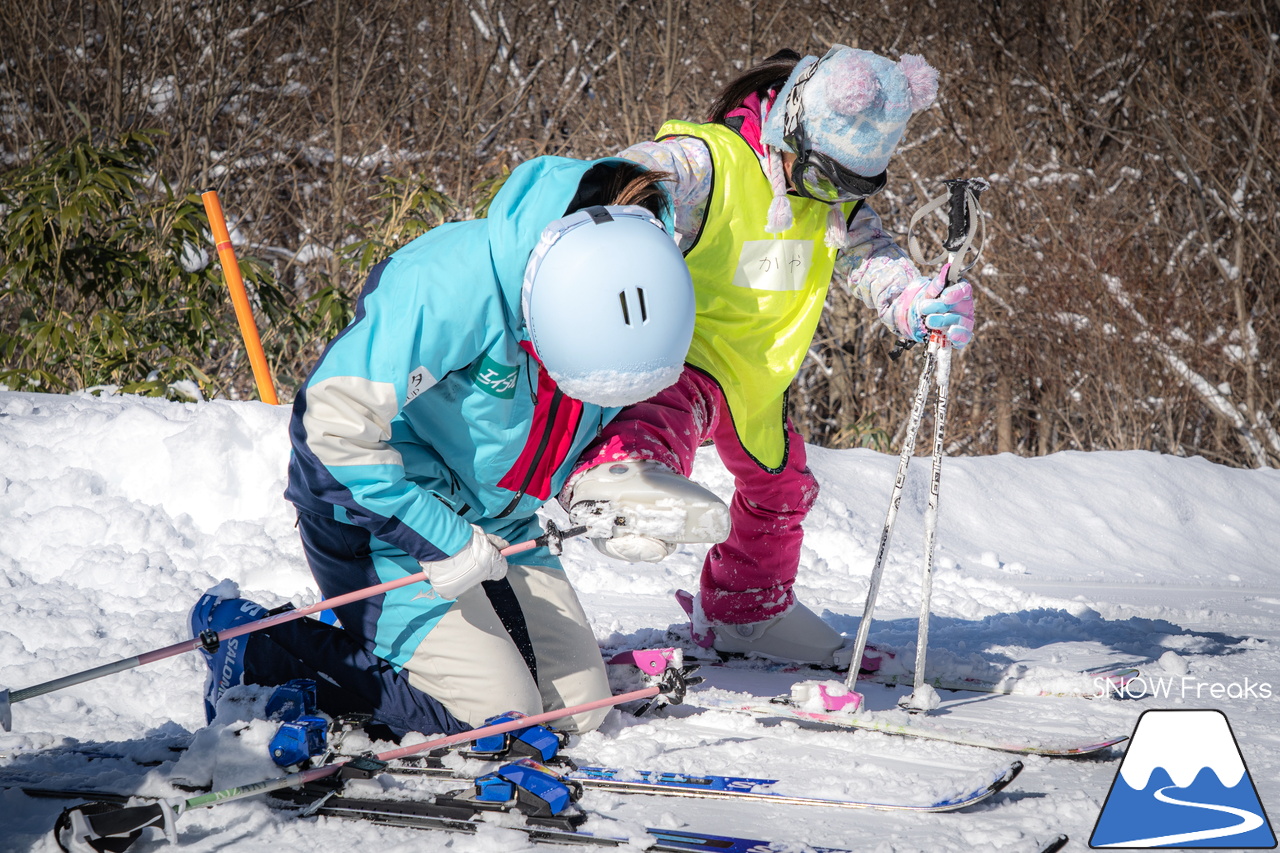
1183 783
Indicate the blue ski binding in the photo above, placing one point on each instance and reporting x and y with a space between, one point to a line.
541 795
302 735
537 742
291 700
300 740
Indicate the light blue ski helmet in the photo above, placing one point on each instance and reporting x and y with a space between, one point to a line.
609 304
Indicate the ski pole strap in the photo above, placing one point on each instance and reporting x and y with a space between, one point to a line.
965 222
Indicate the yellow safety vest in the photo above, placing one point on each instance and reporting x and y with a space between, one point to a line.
759 295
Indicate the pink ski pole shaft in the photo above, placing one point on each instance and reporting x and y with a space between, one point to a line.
551 538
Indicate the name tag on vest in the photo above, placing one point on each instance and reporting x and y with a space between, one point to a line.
774 264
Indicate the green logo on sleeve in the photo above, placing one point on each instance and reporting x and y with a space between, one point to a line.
495 378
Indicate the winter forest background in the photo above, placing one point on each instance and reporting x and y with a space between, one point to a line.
1128 290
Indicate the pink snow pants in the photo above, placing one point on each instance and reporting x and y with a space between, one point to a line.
748 577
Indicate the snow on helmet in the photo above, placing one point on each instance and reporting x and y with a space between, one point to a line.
609 305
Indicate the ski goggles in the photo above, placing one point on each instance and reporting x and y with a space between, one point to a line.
813 174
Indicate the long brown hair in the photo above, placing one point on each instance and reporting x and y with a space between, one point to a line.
769 74
622 182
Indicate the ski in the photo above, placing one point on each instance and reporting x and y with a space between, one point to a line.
648 782
712 786
453 815
879 666
653 662
1087 685
1083 685
430 816
667 784
892 723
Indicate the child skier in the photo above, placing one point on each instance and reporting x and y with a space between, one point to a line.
769 209
483 358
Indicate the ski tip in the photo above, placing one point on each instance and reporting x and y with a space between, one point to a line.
6 711
1003 778
1088 749
1056 844
994 785
1010 773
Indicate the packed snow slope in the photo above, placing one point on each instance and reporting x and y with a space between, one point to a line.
116 512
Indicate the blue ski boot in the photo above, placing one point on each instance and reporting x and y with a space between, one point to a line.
226 660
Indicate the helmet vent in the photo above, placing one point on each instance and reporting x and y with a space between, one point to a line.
626 307
626 312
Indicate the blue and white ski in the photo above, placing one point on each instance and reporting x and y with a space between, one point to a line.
712 786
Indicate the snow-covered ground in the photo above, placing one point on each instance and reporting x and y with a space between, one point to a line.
116 513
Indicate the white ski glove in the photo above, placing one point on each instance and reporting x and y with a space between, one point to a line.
481 560
640 510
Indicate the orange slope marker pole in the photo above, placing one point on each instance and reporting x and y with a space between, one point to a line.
239 298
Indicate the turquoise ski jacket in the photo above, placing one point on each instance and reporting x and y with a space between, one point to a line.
430 412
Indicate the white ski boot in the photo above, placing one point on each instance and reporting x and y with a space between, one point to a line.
641 510
797 635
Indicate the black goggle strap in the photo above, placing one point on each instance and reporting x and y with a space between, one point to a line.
849 183
793 107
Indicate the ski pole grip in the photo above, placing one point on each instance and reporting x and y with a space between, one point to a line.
958 214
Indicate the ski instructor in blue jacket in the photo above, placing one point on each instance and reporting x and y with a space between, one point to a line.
483 358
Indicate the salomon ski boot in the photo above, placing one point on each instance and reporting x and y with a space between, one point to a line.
211 615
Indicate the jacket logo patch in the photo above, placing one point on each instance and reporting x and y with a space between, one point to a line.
495 378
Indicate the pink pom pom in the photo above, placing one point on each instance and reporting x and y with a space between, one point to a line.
922 80
853 87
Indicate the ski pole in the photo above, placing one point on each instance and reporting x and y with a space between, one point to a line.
209 640
239 299
886 533
937 343
962 197
962 194
82 825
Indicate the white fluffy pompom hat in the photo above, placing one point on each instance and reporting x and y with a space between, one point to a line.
856 105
